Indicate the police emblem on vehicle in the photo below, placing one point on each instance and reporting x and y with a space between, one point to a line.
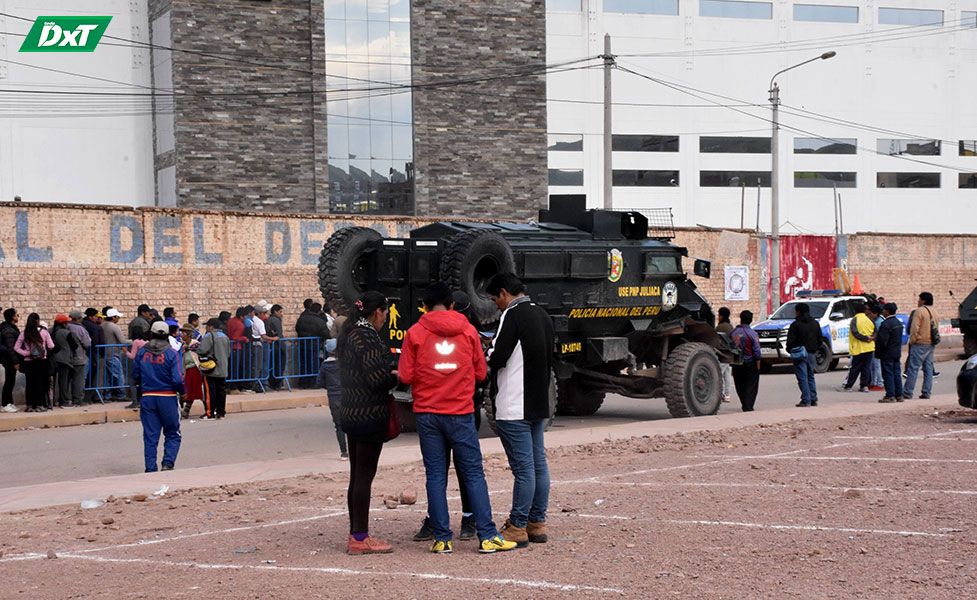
615 265
669 295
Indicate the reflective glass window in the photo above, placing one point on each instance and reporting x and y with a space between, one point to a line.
644 143
825 13
968 180
566 176
735 145
734 178
564 5
968 18
642 178
400 10
820 146
910 16
647 7
968 148
894 147
824 179
564 143
908 180
736 9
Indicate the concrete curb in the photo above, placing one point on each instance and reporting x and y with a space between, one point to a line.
405 450
114 413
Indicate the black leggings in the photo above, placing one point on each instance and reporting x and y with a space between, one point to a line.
363 458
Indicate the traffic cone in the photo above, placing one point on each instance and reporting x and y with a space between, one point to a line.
856 288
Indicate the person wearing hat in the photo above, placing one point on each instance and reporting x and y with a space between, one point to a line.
79 356
140 323
116 341
193 375
216 346
157 370
258 335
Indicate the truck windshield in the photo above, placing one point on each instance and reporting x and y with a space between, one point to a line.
788 311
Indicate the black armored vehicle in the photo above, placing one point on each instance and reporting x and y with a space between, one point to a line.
627 318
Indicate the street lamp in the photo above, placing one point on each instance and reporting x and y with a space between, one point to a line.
775 175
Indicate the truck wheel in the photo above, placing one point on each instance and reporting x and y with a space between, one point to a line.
343 265
693 381
576 400
969 345
470 260
823 359
490 415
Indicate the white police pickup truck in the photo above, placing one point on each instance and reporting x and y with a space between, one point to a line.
832 310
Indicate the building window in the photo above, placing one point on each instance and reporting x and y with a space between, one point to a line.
735 145
908 180
821 146
735 9
894 147
566 177
645 7
968 180
562 5
564 143
968 18
825 13
910 16
644 143
824 179
734 178
638 178
371 138
968 147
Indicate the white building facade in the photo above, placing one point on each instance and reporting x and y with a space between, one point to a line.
889 123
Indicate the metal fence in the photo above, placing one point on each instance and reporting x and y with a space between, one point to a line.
259 365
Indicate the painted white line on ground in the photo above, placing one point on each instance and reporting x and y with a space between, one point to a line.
897 438
856 458
807 528
542 585
780 486
17 557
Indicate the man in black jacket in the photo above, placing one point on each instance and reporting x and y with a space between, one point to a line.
8 357
803 339
521 363
311 324
888 349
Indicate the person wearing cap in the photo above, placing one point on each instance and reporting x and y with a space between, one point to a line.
139 325
65 344
258 335
157 370
216 346
95 376
79 356
116 342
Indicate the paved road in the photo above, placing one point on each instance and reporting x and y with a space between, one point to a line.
71 453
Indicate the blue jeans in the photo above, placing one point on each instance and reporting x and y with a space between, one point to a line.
438 435
892 377
804 371
919 355
115 382
523 443
160 413
877 373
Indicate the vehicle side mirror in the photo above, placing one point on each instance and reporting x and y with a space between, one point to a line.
837 316
702 268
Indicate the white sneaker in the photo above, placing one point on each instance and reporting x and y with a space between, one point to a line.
10 408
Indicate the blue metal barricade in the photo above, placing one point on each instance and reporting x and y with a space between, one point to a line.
295 359
109 373
249 363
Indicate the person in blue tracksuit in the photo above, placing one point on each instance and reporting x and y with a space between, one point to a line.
156 369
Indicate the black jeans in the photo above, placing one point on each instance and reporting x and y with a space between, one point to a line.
746 378
861 369
364 455
218 395
9 379
36 372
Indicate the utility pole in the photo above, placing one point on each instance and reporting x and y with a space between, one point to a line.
742 204
775 198
608 152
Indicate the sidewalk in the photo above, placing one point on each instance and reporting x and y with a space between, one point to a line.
72 492
113 412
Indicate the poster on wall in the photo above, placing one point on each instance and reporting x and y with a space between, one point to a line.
806 263
737 283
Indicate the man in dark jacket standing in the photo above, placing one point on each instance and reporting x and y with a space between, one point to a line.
311 324
94 379
888 349
157 369
746 376
9 332
521 363
803 339
139 325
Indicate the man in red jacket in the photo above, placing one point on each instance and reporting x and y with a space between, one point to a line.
441 358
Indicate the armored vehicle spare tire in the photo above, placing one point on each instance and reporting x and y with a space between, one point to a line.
693 381
344 266
469 261
575 400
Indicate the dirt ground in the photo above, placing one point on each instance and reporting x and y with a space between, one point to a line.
879 507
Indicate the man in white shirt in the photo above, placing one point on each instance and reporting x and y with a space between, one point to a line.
259 334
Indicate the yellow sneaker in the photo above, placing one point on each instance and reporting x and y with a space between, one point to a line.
440 547
495 544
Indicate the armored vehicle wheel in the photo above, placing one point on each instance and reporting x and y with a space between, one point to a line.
824 358
490 415
469 261
693 382
343 265
576 400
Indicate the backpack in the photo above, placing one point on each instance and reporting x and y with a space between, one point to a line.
934 329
